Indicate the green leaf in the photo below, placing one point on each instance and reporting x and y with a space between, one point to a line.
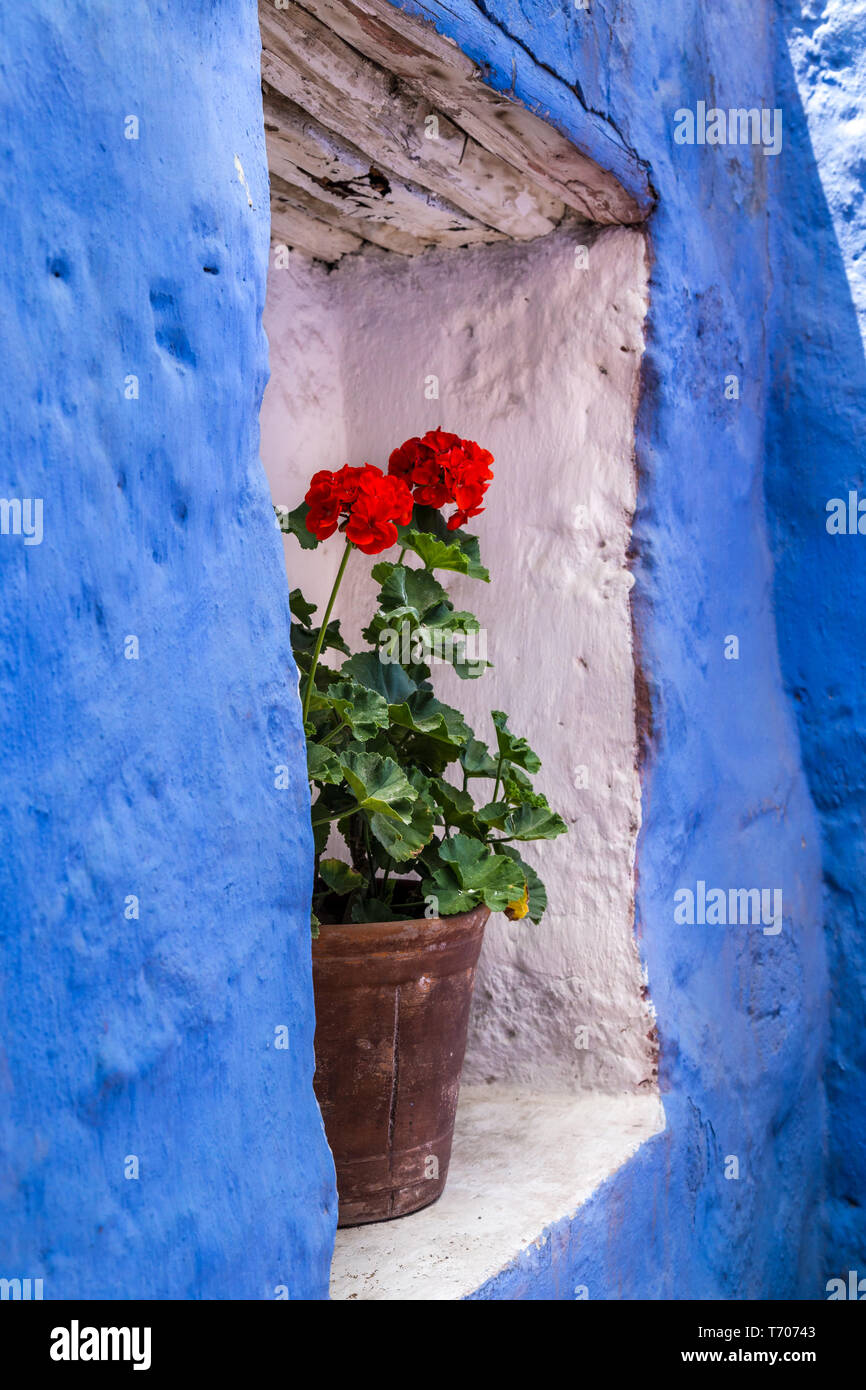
434 733
304 638
534 823
450 897
404 842
322 764
511 748
314 925
423 785
363 710
388 679
443 638
408 590
292 523
441 555
299 607
339 877
476 760
469 866
456 806
401 841
469 670
475 866
379 785
417 622
494 814
431 521
321 835
424 714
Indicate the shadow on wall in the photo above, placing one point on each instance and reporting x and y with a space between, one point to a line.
815 433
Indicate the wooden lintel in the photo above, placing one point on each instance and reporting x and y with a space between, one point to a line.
299 191
417 53
339 172
396 125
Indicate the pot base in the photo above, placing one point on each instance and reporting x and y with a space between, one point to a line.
392 1014
387 1206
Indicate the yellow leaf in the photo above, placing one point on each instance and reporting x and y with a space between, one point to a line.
514 911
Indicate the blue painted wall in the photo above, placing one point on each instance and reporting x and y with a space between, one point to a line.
156 1037
816 431
743 1016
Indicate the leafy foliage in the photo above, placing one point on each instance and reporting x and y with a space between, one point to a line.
393 769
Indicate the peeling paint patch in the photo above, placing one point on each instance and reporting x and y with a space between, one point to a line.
242 180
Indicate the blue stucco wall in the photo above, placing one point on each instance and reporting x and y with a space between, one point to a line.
743 1016
156 1036
816 431
155 777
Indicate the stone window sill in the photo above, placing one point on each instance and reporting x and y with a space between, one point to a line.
521 1162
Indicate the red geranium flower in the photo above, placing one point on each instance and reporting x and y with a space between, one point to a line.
363 502
442 469
468 471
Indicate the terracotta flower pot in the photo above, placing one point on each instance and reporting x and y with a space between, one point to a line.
392 1012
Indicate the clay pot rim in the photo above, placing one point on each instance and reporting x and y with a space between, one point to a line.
357 938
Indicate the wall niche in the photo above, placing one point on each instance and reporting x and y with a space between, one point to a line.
441 255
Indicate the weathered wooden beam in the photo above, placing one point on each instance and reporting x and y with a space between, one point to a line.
302 192
304 233
416 52
397 126
296 141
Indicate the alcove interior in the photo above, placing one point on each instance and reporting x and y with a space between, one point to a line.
442 256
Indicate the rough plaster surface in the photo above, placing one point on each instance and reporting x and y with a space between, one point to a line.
521 1160
153 1037
817 453
742 1017
558 414
747 275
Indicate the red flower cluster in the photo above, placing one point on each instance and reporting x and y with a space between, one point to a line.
443 469
364 502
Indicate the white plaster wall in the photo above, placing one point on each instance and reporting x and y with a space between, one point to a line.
538 360
303 427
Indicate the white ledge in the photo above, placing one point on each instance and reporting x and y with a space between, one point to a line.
521 1161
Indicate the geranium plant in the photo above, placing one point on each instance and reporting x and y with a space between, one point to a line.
392 768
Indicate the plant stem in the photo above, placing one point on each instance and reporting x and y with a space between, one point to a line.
340 815
344 724
322 630
498 772
402 553
370 856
